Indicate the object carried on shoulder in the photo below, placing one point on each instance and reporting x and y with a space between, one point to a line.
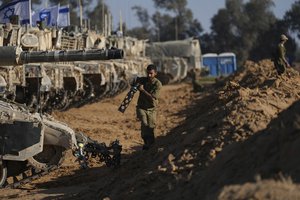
128 98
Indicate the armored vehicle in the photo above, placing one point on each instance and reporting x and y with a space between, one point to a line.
100 79
76 87
68 85
31 84
44 140
43 146
107 78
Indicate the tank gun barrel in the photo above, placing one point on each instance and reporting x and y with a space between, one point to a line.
11 55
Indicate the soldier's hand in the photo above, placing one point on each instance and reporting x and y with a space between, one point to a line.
141 88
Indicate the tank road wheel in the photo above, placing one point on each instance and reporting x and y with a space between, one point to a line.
3 174
88 93
61 102
33 103
88 88
50 156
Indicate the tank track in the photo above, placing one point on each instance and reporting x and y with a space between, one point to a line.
110 155
87 98
25 179
121 88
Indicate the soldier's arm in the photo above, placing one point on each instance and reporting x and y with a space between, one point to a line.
153 95
148 95
286 62
156 91
281 51
282 55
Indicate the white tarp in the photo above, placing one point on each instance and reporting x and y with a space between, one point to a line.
188 49
178 48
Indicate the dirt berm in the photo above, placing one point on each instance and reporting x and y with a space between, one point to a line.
239 139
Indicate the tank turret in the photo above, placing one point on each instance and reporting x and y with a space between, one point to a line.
10 55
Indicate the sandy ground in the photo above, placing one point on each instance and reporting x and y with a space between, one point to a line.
102 122
239 139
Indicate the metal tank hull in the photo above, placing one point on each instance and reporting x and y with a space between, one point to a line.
33 144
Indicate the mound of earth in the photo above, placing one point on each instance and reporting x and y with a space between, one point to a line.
270 153
209 145
267 189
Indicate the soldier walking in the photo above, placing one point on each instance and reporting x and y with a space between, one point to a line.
280 60
149 88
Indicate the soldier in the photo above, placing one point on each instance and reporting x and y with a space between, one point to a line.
280 60
149 88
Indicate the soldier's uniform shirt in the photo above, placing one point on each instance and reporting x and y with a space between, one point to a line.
279 59
151 87
146 109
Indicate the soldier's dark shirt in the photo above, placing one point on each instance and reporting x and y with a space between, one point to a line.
151 87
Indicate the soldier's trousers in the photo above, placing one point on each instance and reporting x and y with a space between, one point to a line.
280 68
148 124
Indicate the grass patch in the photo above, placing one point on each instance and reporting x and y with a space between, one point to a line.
206 80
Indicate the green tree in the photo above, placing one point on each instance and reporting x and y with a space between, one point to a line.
172 21
178 19
143 32
267 42
143 15
239 25
292 18
164 28
96 15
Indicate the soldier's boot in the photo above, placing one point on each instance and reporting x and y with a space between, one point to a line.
146 145
149 138
145 137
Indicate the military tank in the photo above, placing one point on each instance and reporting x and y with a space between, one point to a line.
101 78
43 147
106 78
74 83
67 85
30 83
44 140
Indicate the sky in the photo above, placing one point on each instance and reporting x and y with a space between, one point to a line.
203 10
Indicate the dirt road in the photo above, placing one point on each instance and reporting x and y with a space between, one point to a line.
102 122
